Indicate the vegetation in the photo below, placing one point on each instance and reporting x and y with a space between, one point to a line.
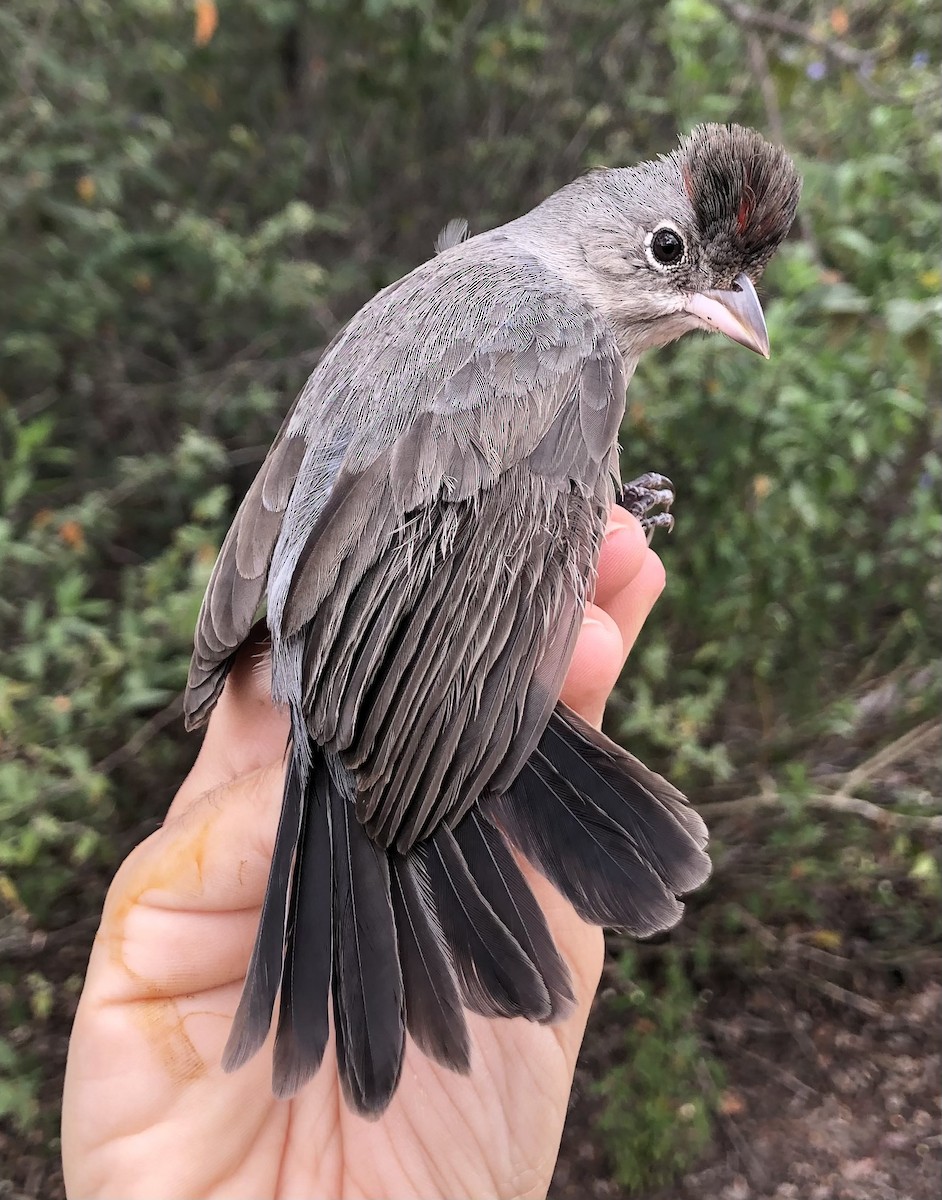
192 200
660 1097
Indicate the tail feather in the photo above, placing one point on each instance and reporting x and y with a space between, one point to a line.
667 832
368 993
580 813
583 852
253 1016
501 882
496 977
434 1014
303 1025
407 942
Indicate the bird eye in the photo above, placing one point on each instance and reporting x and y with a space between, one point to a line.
666 246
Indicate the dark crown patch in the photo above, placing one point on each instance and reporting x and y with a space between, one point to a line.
744 191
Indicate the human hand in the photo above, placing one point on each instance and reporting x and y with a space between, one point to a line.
148 1110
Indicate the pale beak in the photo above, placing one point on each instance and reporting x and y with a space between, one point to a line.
737 313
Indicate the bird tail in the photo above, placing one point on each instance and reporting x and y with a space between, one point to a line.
620 842
380 943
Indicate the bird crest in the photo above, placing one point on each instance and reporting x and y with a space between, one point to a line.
744 191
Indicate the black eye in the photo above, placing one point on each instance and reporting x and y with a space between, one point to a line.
667 246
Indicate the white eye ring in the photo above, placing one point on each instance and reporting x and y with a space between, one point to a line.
649 247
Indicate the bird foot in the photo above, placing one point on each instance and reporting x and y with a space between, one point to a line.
645 493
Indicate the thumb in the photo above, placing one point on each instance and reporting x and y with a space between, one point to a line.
245 732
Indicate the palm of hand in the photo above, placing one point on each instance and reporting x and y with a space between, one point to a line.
149 1112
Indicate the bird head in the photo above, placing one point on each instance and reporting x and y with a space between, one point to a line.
678 243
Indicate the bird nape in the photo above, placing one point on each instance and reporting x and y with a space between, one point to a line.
424 536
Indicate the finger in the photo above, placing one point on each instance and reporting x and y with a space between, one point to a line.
631 606
181 913
595 665
606 638
623 549
246 731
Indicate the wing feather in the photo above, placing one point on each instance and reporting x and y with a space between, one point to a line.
426 528
237 585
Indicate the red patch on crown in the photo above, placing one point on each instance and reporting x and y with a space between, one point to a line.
747 206
687 177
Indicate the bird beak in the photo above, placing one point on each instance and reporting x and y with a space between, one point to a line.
737 313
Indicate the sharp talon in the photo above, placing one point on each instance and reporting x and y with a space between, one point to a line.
647 492
661 520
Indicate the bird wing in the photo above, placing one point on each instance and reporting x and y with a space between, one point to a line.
428 538
239 578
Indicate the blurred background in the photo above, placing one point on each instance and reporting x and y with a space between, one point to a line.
193 198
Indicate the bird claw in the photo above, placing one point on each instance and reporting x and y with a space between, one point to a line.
645 493
661 520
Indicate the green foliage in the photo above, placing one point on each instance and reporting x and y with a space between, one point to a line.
18 1088
660 1101
81 668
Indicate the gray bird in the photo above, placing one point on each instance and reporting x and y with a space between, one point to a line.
424 534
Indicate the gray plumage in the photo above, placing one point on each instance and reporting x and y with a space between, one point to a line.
424 535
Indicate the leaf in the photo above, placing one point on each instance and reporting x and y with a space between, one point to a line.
856 242
925 867
904 316
844 298
827 939
207 19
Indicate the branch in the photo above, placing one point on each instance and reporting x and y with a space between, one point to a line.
755 18
19 941
136 743
843 800
759 64
907 743
829 801
859 61
791 948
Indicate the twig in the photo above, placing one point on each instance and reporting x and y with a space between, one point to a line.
752 1163
719 1030
757 18
257 370
906 743
831 802
139 739
843 800
759 63
789 948
842 995
860 61
762 932
863 674
19 939
24 943
32 55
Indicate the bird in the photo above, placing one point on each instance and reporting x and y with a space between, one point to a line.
422 540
